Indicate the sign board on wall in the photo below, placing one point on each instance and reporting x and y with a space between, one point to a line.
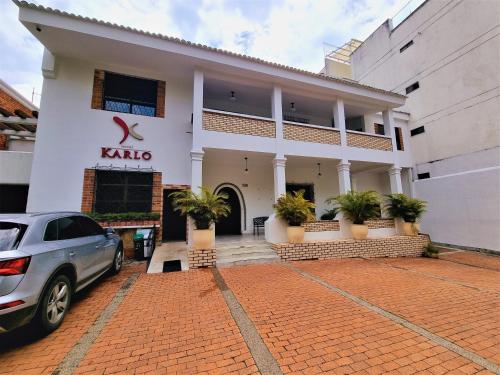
126 152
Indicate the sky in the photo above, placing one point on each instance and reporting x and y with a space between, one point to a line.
290 32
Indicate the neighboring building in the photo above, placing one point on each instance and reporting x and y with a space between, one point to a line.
18 118
338 59
446 57
128 117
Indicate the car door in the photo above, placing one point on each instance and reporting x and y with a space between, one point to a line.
104 245
83 250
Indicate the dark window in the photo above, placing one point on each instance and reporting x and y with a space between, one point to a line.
68 228
423 176
412 87
355 123
51 231
123 192
418 130
130 94
399 138
291 118
379 129
89 226
407 45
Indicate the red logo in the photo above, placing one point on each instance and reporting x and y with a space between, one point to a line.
127 130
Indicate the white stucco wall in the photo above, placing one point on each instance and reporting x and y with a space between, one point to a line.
21 145
15 167
70 135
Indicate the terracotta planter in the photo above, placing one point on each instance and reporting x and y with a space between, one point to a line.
359 231
411 229
295 234
203 239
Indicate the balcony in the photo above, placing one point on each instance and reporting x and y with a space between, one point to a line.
237 123
369 141
293 131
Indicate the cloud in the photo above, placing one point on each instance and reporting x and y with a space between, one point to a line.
290 32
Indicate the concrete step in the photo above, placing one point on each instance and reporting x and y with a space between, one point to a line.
244 250
240 253
241 259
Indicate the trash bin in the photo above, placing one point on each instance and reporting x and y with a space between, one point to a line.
139 246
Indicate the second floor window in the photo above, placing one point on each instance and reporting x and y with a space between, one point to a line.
129 94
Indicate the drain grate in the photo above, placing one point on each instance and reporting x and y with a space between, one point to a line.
172 266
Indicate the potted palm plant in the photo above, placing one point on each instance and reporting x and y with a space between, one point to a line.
400 206
358 207
205 209
295 210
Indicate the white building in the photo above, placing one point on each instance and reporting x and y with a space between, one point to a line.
18 118
198 116
445 56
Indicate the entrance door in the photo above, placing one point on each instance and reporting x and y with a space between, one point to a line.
174 224
232 223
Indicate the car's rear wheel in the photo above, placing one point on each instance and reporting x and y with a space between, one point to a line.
117 260
55 304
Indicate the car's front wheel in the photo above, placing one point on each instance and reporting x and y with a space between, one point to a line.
55 304
117 260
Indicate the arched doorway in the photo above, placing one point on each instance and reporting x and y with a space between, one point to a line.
232 223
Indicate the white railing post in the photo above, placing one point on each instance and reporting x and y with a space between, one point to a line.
277 113
339 120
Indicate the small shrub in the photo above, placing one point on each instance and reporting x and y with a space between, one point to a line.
330 214
430 251
401 206
358 206
124 216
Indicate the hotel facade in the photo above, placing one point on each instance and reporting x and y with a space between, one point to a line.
127 117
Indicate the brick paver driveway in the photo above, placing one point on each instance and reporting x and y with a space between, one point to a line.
339 316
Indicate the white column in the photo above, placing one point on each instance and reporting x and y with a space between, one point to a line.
48 64
196 171
279 164
277 113
197 110
395 178
343 170
388 116
339 119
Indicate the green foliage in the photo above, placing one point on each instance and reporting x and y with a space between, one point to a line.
330 214
125 216
358 206
205 209
294 208
430 251
402 206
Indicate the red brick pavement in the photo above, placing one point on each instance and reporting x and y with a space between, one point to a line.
473 259
20 353
465 316
171 323
312 330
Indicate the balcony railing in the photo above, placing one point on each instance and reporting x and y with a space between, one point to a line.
371 141
295 131
237 123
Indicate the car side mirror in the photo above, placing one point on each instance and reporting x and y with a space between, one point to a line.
109 231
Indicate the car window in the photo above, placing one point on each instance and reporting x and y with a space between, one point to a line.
51 231
89 226
68 227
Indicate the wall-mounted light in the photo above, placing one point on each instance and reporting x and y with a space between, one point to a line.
232 96
319 170
246 164
292 107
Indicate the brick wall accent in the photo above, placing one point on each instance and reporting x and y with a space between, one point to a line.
399 134
11 104
160 99
201 258
176 186
295 132
157 203
3 141
380 223
394 246
88 192
322 226
369 141
220 122
98 89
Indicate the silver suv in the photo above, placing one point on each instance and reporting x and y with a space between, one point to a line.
44 259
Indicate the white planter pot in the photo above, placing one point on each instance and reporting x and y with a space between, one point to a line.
359 231
203 239
295 234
